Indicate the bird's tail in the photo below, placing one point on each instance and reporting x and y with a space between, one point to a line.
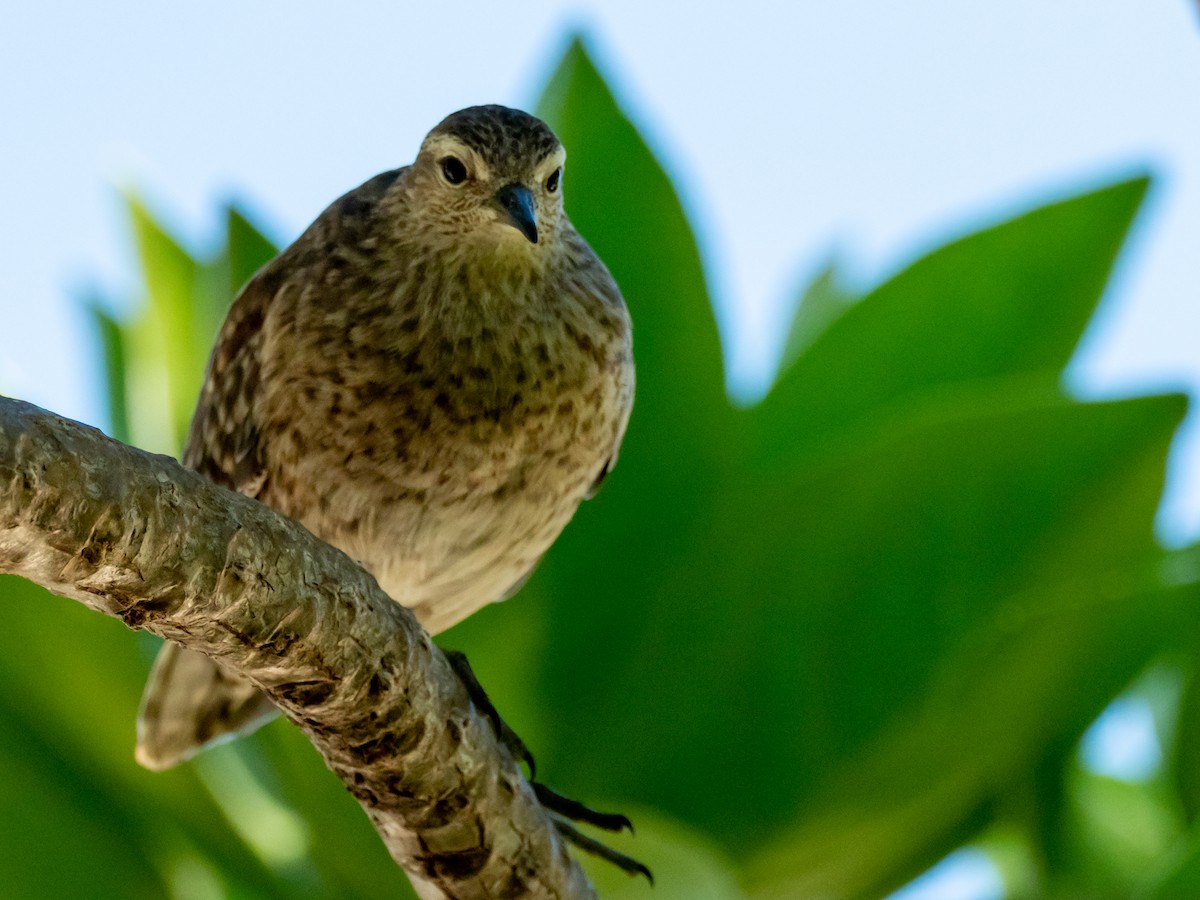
189 703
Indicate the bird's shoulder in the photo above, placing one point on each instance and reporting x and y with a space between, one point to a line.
224 442
343 225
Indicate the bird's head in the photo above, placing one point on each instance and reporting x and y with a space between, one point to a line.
490 177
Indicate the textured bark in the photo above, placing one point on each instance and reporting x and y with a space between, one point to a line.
134 535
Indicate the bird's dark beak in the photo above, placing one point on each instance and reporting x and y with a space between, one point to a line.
517 202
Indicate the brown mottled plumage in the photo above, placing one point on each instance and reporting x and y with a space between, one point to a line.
431 378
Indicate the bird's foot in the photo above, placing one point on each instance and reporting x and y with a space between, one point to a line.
566 808
563 808
577 812
628 864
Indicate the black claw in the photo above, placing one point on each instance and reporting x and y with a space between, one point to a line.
577 812
608 854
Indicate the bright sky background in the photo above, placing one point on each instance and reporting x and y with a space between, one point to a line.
793 129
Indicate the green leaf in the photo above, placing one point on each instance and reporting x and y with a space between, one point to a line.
249 248
112 345
1010 299
342 849
1178 876
165 349
1028 680
62 835
1119 831
73 680
246 250
810 614
686 864
1181 567
165 343
822 303
622 201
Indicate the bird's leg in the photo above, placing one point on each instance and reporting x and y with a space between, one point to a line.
506 736
550 799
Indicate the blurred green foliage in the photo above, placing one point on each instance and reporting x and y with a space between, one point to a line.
811 646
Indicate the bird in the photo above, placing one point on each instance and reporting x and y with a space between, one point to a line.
431 378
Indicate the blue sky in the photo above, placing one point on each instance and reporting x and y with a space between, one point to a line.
794 131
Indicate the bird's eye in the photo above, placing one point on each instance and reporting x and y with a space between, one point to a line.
454 170
552 181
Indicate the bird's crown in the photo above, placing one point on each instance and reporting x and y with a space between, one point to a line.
500 135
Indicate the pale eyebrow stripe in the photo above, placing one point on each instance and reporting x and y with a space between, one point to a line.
448 144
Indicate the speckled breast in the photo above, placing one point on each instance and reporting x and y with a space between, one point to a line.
455 459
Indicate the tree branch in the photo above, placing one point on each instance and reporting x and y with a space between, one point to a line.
136 536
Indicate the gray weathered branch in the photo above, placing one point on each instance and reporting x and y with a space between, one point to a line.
136 536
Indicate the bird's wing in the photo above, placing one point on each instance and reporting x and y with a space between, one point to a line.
190 700
608 467
620 436
224 443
